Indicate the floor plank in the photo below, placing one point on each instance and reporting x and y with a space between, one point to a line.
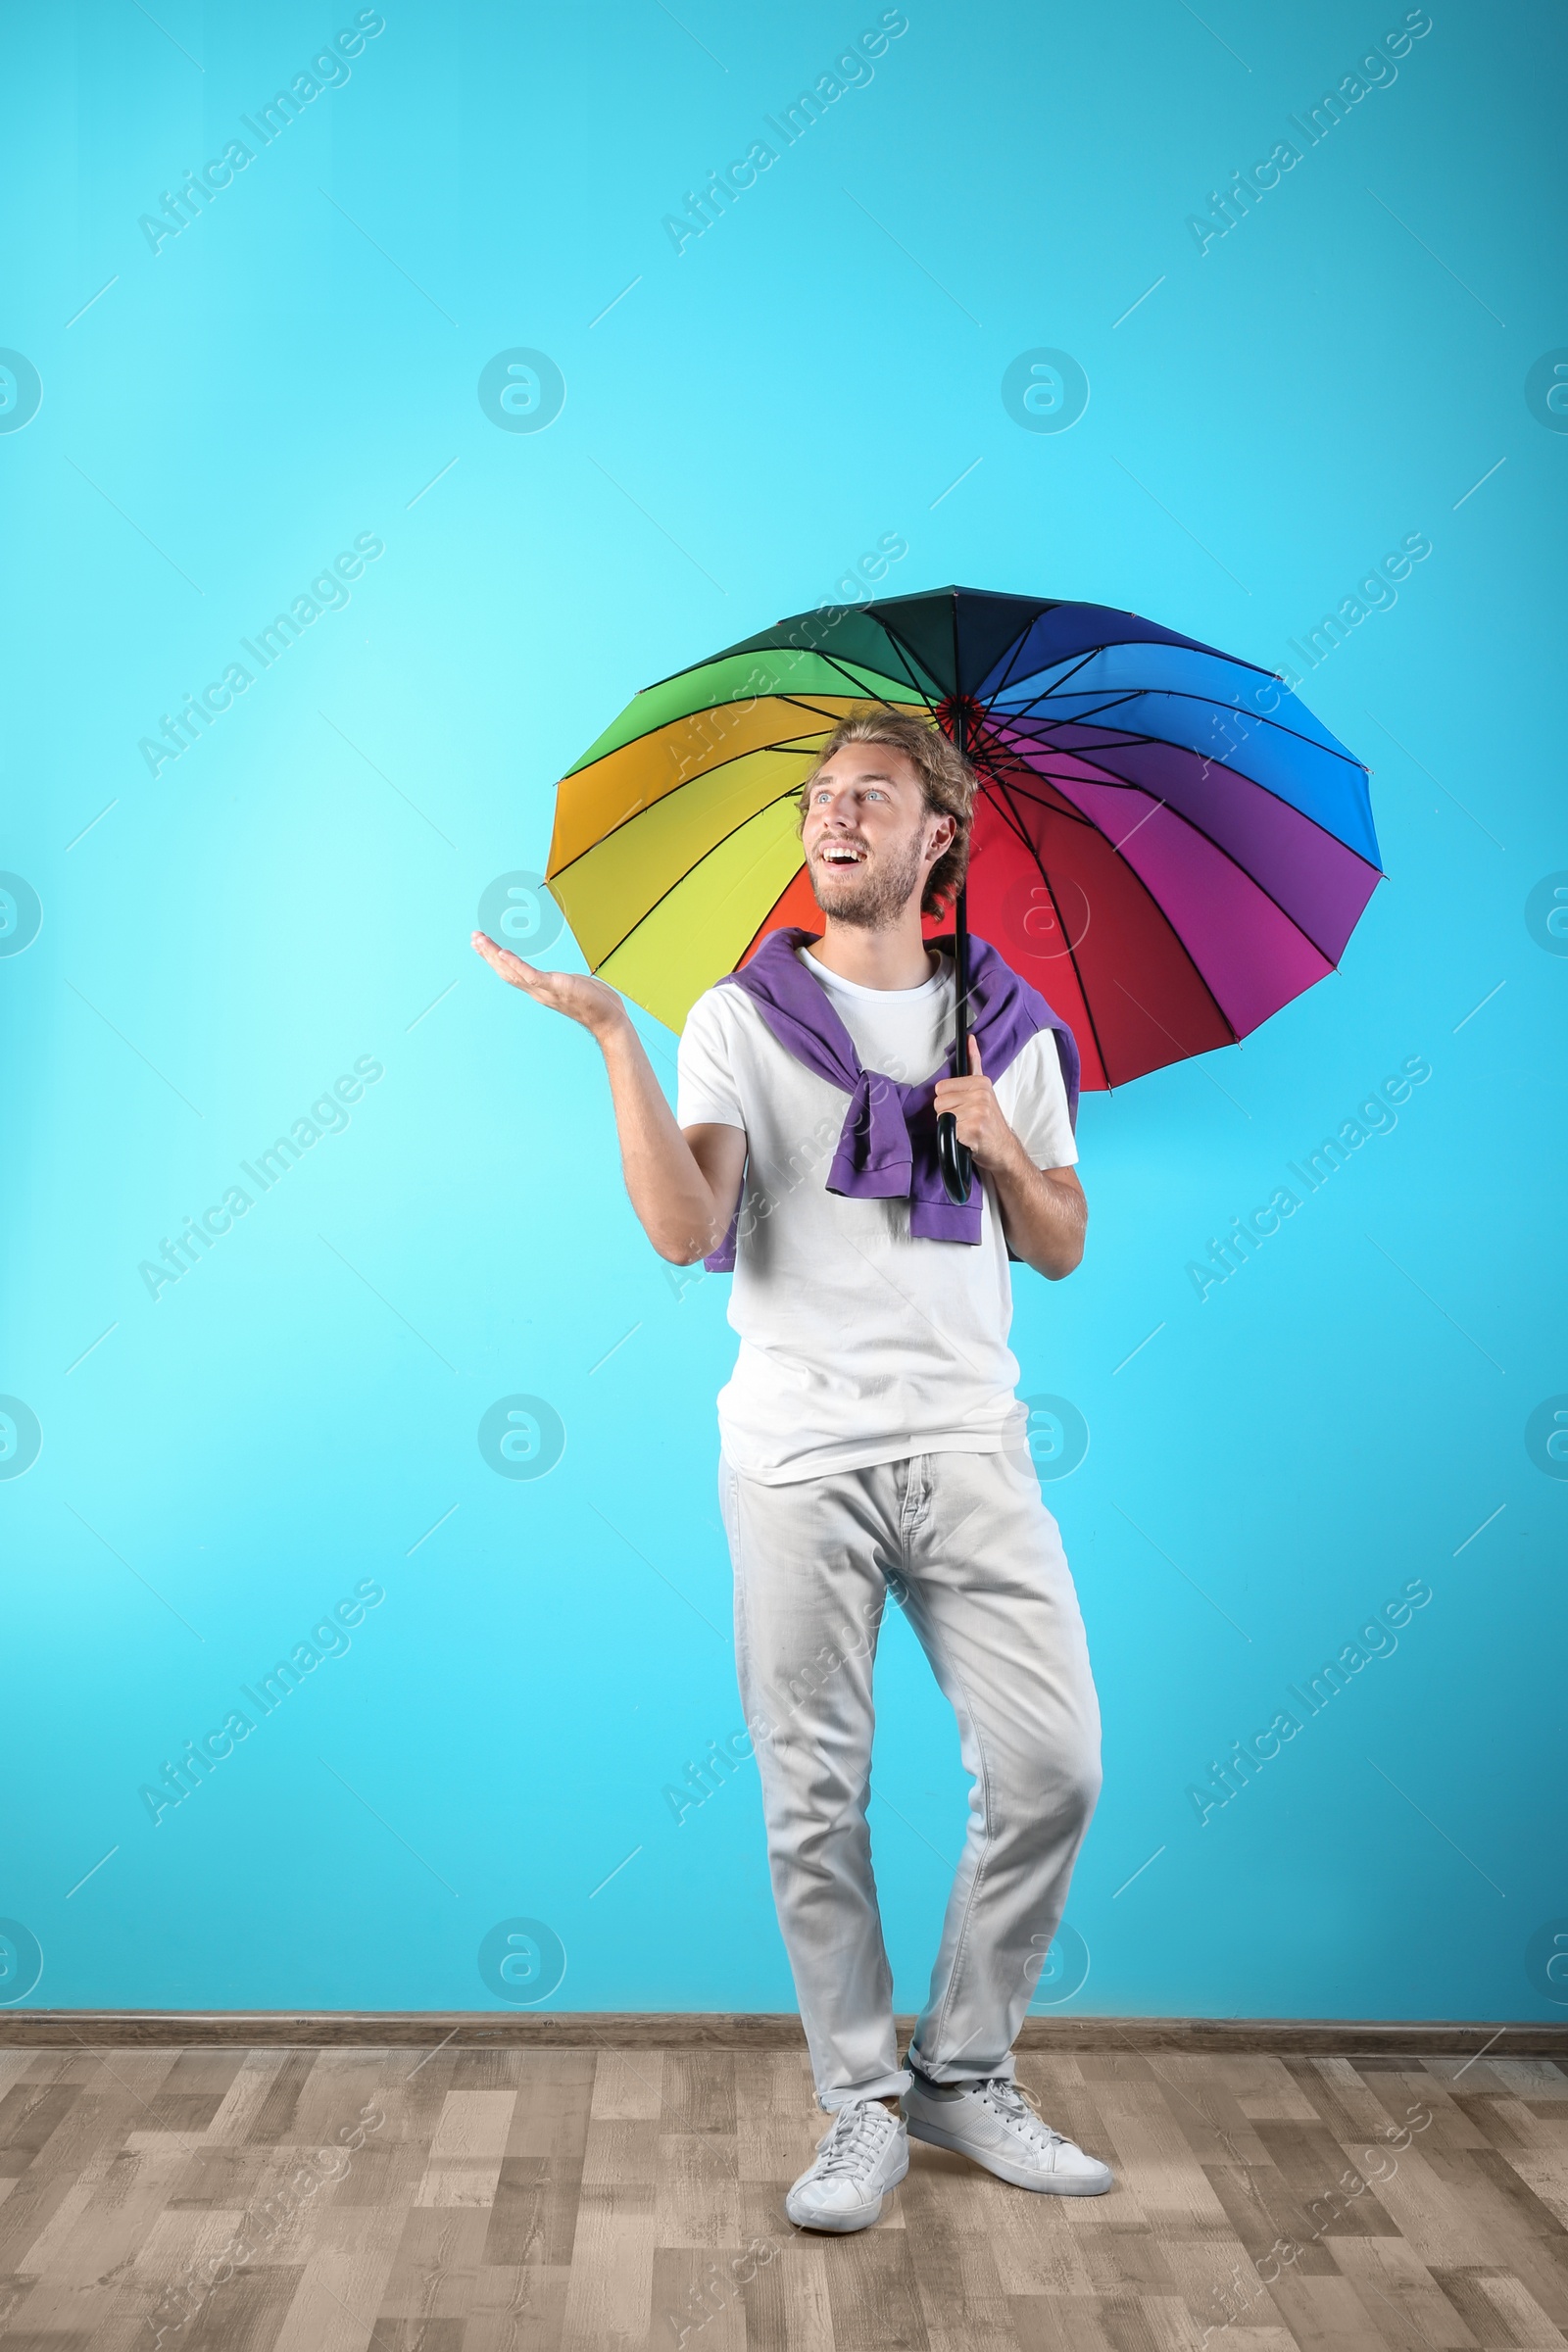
587 2199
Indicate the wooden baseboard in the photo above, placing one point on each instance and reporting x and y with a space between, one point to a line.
486 2029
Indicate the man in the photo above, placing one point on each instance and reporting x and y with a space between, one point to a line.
872 1440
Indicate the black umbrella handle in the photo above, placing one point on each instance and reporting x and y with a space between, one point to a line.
954 1160
953 1157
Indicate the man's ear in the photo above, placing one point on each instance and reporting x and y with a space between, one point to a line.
942 839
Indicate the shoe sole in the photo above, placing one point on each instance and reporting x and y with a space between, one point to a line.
844 2223
1052 2185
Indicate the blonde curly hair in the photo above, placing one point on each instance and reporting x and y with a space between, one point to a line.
946 780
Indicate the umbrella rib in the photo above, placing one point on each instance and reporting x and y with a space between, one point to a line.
1179 936
1114 699
834 661
1072 952
800 704
1112 739
781 744
1002 783
1198 972
695 866
1017 784
1197 969
1185 1052
843 667
1002 789
1014 651
1130 736
734 653
1073 816
1088 654
838 660
1204 834
1210 653
907 655
1182 694
1126 784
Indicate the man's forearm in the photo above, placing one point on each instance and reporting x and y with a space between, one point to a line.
672 1198
1045 1223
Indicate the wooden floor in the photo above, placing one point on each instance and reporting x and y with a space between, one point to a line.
468 2200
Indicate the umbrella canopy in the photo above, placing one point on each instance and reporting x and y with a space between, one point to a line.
1166 843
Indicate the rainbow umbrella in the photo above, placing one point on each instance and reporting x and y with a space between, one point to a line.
1166 842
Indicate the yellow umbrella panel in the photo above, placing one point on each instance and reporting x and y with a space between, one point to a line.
677 835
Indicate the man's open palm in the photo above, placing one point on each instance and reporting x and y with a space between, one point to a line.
581 999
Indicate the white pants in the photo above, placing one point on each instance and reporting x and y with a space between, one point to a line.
967 1548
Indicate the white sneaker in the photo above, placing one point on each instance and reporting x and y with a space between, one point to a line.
992 2123
864 2152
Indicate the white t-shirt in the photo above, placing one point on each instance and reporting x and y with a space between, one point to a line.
859 1345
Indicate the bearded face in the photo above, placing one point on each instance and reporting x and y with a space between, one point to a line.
870 839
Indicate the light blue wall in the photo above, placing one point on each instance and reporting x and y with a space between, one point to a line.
220 1466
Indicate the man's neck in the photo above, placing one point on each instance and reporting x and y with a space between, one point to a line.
895 958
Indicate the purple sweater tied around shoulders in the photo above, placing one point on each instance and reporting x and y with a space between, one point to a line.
887 1148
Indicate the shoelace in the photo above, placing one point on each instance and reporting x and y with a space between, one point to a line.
1013 2108
854 2139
